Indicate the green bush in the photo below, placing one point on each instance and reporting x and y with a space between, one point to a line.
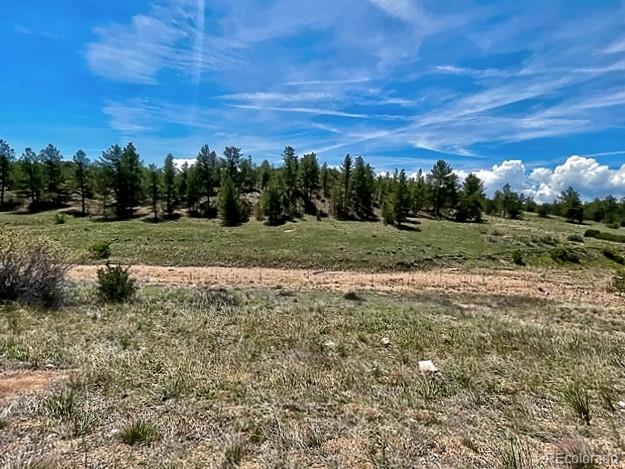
517 258
565 255
613 226
576 238
614 256
59 219
32 269
115 283
616 238
100 250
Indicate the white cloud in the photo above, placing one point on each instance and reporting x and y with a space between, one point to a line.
584 174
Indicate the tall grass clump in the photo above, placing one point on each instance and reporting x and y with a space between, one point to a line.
115 284
579 401
139 432
32 269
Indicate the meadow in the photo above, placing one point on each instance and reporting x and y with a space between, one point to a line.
326 244
275 378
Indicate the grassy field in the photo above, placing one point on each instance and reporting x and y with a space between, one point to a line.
327 244
205 378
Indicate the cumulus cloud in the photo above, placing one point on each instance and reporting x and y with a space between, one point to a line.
586 175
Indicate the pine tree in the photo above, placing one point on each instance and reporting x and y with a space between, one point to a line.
247 175
509 203
264 174
346 178
32 180
233 157
325 180
169 185
400 199
418 193
362 188
7 156
572 207
51 159
273 201
442 187
154 189
206 172
182 184
309 179
229 202
123 170
471 200
82 179
290 166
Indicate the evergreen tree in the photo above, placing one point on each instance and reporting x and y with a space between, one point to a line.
206 173
309 179
247 175
273 201
571 204
337 203
400 199
346 178
182 184
32 180
418 193
442 186
264 174
325 180
290 166
123 170
132 170
509 203
81 175
229 202
51 159
362 189
154 189
7 156
471 200
169 185
233 157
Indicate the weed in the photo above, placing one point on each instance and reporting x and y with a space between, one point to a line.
61 406
139 432
517 258
578 399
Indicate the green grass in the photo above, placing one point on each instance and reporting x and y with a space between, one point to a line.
308 243
248 376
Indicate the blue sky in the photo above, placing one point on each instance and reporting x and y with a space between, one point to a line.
500 87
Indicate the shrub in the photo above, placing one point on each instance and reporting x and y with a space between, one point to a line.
616 238
618 283
517 258
613 226
59 219
613 256
115 283
565 255
32 269
100 250
138 432
576 238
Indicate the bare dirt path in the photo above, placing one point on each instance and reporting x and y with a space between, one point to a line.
589 287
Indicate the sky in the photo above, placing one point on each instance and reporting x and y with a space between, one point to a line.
531 93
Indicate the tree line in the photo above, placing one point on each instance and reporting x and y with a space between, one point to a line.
231 186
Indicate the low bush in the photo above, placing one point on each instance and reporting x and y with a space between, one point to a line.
32 269
575 238
613 256
100 250
565 255
618 283
616 238
517 258
613 226
115 283
59 219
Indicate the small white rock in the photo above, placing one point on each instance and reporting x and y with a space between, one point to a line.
621 404
385 341
329 345
427 367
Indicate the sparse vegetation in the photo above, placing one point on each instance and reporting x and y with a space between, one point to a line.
578 399
100 250
566 255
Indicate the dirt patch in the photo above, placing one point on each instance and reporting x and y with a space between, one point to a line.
26 382
589 287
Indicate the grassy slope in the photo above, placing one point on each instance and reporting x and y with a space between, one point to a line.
259 382
312 244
